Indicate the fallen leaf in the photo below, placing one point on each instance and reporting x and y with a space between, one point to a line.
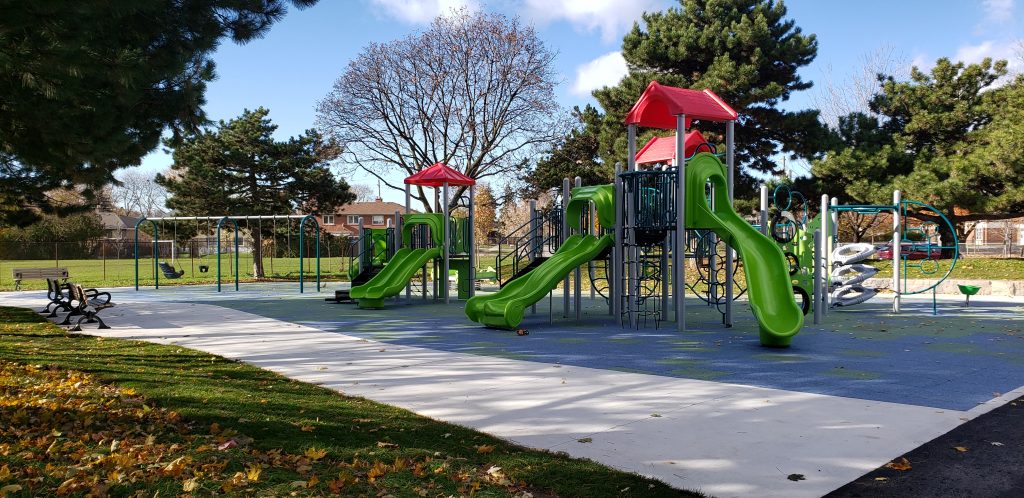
385 444
585 440
881 478
253 473
656 415
900 464
961 449
230 443
10 488
996 443
796 477
307 428
313 481
484 448
190 485
315 454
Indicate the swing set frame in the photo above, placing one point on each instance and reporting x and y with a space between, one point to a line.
303 219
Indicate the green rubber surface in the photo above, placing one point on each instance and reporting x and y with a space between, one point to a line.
393 278
768 282
504 309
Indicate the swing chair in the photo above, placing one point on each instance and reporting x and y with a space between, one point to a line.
168 268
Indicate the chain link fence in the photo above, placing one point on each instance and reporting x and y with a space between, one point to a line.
112 262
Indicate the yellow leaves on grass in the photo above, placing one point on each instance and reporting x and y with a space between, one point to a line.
315 454
960 449
485 448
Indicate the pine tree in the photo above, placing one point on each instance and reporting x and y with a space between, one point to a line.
746 51
239 169
90 87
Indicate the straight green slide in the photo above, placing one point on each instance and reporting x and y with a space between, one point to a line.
769 286
393 278
505 308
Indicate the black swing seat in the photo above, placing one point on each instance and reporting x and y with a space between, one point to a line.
169 271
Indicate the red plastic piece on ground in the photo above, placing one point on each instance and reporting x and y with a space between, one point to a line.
439 174
659 105
663 149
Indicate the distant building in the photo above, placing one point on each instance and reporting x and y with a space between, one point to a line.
375 214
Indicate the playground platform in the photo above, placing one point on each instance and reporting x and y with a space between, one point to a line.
710 410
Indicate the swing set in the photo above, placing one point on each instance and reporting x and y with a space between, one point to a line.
171 271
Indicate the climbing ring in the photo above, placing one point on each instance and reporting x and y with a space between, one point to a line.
784 227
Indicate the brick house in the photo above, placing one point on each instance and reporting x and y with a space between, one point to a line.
375 214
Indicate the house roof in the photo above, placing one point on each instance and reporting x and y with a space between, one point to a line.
372 207
659 105
113 221
663 149
437 175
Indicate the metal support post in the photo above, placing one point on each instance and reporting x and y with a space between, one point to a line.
631 288
763 218
679 251
615 280
897 239
592 230
816 300
471 236
822 261
446 243
577 285
730 256
399 228
566 189
535 240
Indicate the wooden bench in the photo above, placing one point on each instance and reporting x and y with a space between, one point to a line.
20 274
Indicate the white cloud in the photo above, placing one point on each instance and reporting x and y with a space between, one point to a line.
611 17
421 11
603 71
993 49
998 11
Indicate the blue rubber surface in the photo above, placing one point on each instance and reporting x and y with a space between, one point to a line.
954 361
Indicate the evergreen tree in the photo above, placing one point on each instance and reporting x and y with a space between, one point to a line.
239 169
951 137
576 154
746 51
90 87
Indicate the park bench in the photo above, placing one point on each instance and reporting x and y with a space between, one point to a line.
60 300
37 273
86 308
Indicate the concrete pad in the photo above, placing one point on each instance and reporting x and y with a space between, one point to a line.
726 439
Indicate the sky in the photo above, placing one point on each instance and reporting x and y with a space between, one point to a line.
295 65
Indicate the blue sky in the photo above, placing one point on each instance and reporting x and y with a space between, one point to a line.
297 62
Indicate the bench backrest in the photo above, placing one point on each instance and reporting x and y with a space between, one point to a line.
26 273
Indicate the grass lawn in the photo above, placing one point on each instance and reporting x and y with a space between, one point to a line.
84 414
121 272
966 268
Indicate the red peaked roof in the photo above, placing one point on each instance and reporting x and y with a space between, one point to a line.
663 149
437 175
659 105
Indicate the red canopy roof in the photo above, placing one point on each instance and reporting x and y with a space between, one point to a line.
663 149
659 105
437 175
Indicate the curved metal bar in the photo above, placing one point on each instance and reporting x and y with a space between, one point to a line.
955 247
302 233
220 222
156 238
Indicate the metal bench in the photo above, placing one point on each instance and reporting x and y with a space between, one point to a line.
86 307
20 274
61 300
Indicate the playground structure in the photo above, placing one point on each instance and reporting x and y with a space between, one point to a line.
226 222
643 230
426 238
832 275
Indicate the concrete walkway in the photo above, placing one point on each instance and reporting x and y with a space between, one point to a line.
722 439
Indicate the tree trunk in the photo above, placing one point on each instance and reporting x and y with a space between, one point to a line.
257 255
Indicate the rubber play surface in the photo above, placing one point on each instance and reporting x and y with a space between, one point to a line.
955 360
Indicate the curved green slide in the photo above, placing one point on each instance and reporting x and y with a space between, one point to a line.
505 308
393 278
769 285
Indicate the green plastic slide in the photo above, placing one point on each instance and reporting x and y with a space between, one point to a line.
768 282
393 278
505 308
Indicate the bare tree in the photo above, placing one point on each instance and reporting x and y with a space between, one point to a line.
474 91
364 193
138 194
840 95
